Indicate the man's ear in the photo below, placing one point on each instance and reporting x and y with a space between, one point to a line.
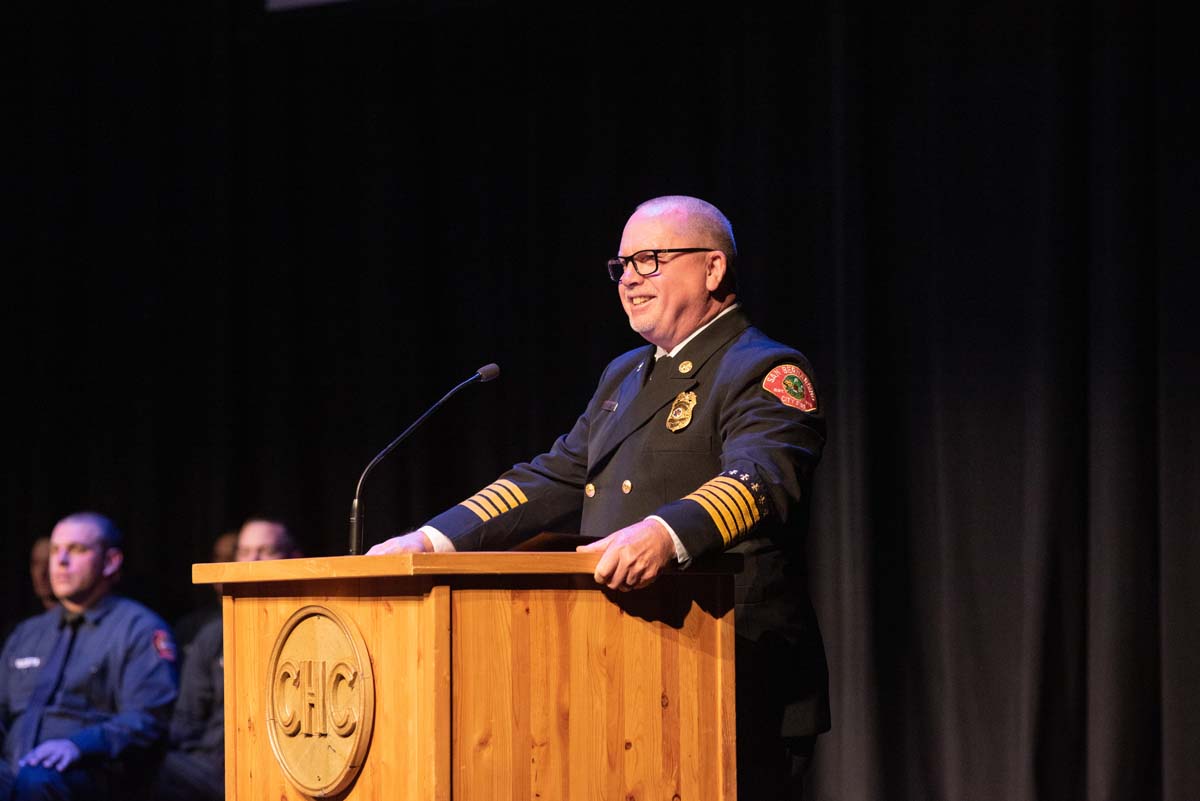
113 559
714 273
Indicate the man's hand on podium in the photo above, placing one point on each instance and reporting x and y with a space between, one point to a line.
632 557
412 542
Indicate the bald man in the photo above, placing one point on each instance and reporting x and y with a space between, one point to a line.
703 441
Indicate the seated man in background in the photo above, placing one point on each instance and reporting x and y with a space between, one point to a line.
187 627
260 539
194 767
39 580
86 687
39 572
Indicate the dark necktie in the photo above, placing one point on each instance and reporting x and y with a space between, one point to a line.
50 676
659 365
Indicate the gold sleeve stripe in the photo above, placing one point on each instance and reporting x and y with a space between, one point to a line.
477 509
742 492
495 499
736 510
514 489
502 492
730 504
721 501
713 513
487 504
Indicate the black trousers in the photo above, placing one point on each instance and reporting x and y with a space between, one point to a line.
189 777
32 783
770 679
773 769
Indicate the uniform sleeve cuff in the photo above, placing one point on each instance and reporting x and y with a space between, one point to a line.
463 525
681 553
441 543
90 741
694 528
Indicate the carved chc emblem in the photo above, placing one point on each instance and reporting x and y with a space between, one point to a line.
321 700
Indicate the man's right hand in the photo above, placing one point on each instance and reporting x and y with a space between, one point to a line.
412 542
56 754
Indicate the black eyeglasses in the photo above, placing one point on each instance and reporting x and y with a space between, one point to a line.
645 262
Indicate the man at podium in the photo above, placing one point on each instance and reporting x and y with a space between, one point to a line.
701 442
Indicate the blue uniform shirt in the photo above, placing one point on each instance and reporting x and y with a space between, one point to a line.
117 688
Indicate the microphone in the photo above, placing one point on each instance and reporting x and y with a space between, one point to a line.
484 374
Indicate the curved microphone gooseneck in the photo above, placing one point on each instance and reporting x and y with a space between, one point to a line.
484 374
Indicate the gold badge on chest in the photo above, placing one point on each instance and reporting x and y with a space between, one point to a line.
681 411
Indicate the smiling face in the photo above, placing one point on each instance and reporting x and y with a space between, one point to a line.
82 565
666 307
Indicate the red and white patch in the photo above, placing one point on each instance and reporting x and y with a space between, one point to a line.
164 645
793 388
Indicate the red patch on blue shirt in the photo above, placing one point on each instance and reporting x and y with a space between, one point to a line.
164 645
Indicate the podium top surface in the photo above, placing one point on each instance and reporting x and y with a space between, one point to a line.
422 564
405 564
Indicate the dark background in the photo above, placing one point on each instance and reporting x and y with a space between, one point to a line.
244 250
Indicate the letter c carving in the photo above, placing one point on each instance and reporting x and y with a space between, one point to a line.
343 719
285 715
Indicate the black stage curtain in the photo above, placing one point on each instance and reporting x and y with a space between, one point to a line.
245 249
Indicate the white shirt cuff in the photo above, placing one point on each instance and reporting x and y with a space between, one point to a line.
441 543
681 554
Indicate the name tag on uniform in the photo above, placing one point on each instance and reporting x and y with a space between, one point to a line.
26 662
609 406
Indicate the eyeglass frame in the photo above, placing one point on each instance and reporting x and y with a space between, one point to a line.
616 275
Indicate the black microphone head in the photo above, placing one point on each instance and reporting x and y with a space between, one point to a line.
488 372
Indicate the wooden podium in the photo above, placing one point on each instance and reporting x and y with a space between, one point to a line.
474 676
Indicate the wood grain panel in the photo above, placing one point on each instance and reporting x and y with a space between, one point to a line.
548 695
232 708
406 627
566 691
495 685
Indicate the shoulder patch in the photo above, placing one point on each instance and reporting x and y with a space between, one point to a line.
164 645
793 388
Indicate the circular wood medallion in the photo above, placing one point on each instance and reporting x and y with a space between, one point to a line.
320 700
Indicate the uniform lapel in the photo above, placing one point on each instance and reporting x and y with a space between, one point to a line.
663 388
613 406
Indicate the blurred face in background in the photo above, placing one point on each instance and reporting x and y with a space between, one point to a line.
261 540
39 572
225 547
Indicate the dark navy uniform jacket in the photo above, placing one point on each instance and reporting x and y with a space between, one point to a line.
736 477
198 723
117 687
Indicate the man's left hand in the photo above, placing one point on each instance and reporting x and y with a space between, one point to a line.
632 557
57 754
412 542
